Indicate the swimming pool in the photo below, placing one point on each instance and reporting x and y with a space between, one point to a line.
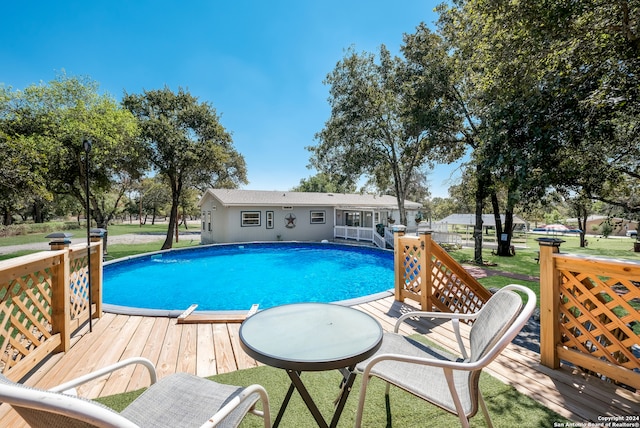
234 277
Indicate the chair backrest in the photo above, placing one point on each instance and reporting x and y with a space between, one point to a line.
499 321
40 408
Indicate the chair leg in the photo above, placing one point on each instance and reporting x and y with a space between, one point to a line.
485 410
363 392
387 402
464 421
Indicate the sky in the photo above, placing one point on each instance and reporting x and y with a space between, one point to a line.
260 64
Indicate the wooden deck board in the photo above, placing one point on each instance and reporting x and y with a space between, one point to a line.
225 358
207 349
244 361
187 354
121 380
206 356
168 358
151 350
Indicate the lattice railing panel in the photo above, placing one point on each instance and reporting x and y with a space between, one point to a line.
411 268
25 316
451 293
597 315
79 287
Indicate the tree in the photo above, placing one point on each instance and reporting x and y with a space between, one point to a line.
22 174
386 123
324 183
515 148
427 51
22 164
186 144
558 94
598 60
156 197
55 119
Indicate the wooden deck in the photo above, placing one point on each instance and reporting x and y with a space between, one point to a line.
210 348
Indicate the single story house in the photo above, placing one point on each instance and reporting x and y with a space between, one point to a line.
233 215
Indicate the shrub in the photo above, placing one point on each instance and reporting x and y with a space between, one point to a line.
28 228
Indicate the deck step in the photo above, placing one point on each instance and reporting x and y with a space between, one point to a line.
191 317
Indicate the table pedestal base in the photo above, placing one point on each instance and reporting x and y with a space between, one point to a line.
348 377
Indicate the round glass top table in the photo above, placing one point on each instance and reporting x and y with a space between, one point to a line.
312 337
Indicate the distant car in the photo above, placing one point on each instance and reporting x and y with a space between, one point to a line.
632 233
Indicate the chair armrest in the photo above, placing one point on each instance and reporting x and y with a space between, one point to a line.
453 317
106 370
239 399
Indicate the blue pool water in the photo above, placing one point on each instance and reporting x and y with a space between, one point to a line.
234 277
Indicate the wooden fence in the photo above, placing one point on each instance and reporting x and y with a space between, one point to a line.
43 301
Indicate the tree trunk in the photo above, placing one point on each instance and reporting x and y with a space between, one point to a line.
184 219
38 216
403 212
168 242
176 188
477 230
503 235
7 219
582 225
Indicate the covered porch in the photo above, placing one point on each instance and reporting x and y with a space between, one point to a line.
369 224
360 224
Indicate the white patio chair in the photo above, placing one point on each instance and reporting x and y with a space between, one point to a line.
178 400
446 381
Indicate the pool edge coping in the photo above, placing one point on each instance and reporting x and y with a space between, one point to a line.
175 313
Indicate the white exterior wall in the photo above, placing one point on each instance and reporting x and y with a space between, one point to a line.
226 224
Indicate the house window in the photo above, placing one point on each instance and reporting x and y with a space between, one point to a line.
250 218
318 217
269 220
209 220
204 220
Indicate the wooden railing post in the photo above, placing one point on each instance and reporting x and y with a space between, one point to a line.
398 232
549 302
60 304
96 278
426 301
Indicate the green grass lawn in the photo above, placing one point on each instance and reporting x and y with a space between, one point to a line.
524 262
117 251
114 230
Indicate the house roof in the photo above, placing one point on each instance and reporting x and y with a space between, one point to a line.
470 219
237 197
